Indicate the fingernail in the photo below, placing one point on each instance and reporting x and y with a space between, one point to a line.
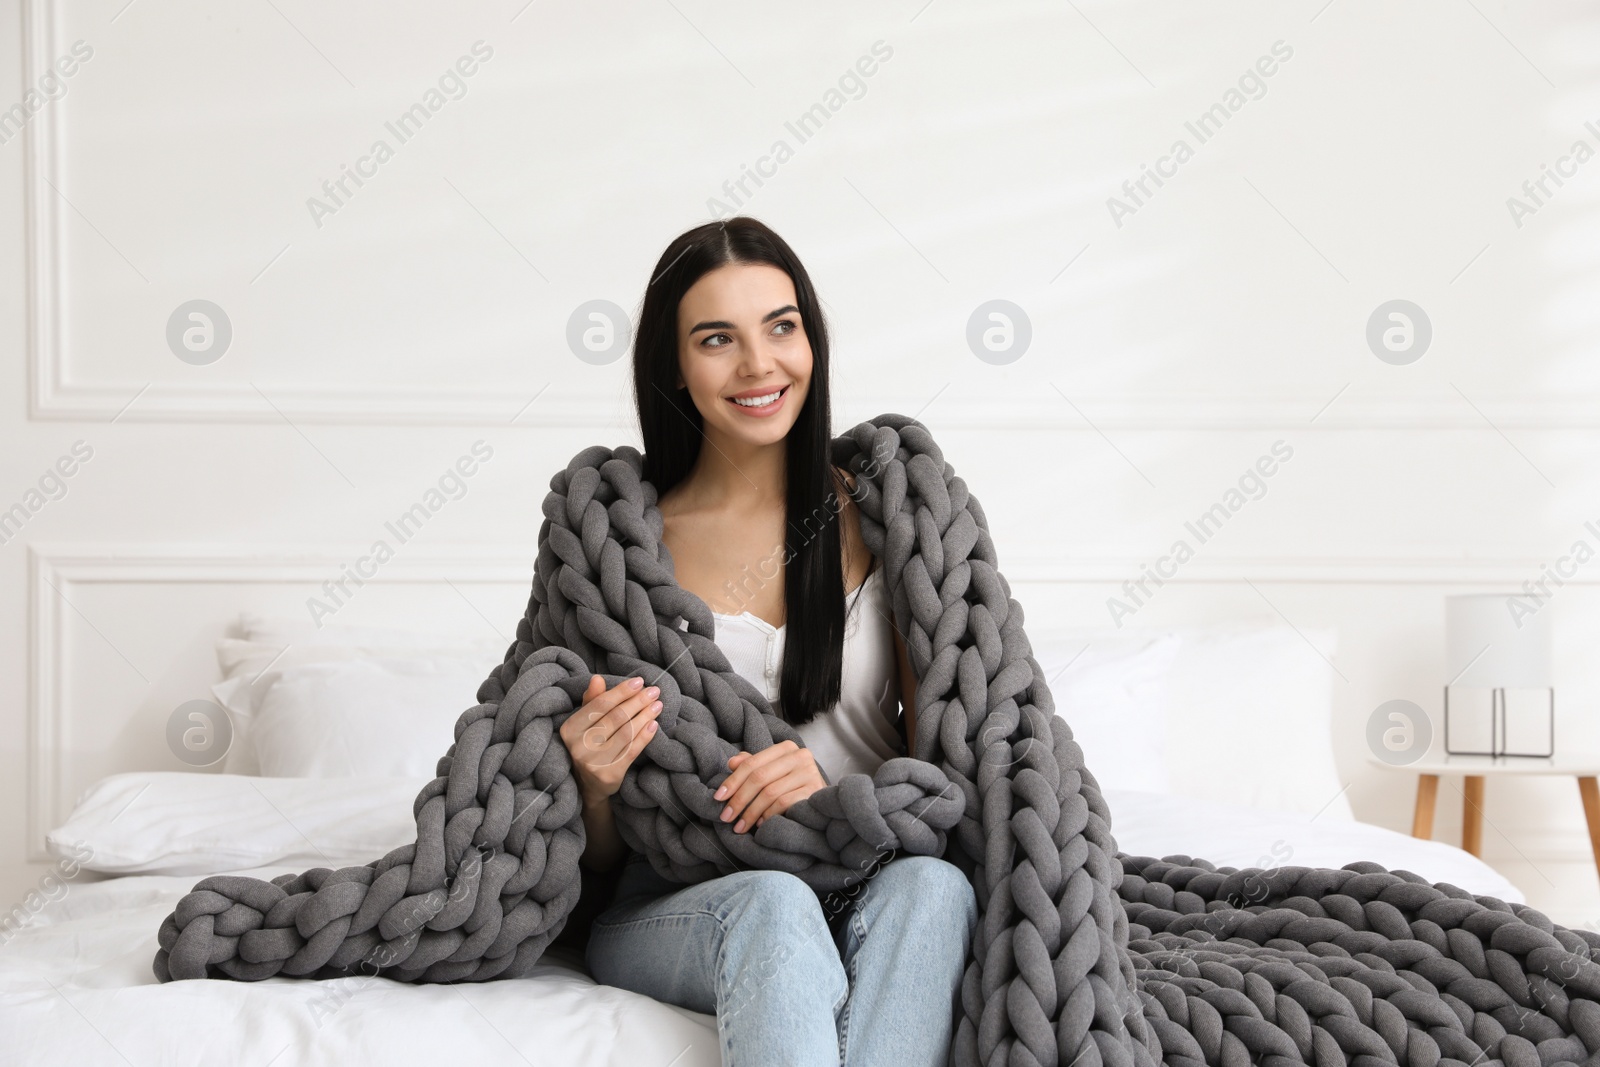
727 813
651 728
720 794
652 691
738 827
634 683
656 706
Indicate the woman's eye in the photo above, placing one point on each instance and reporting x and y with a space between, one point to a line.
785 326
713 337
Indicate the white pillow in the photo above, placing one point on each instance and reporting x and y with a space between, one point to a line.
282 630
1246 714
362 717
1112 691
1251 709
253 663
178 822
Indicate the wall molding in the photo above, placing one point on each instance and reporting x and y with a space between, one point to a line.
56 569
54 399
1090 566
54 395
42 235
64 566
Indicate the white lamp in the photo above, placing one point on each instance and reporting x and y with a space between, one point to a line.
1494 644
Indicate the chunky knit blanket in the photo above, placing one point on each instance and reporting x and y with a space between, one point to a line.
1083 955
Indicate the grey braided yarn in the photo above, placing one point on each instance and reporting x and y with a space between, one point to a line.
1083 955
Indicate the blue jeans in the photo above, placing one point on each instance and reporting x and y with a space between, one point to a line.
878 986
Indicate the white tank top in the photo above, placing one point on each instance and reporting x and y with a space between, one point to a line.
862 730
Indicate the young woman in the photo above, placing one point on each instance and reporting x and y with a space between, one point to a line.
731 383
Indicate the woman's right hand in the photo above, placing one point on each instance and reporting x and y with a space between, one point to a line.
608 731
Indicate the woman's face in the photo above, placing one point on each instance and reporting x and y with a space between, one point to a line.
740 336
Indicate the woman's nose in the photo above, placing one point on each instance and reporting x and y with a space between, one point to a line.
758 358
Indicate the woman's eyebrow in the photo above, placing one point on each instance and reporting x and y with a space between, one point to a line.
719 324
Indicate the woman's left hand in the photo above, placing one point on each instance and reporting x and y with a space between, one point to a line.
767 783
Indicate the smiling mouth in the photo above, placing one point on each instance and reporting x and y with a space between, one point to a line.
756 403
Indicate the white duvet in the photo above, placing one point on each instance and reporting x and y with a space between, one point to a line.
76 985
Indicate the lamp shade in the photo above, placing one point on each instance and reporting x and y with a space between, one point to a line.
1485 648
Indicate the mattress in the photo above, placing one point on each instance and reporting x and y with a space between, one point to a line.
76 985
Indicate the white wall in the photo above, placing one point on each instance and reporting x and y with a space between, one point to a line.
372 346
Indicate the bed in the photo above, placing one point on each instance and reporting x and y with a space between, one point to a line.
75 979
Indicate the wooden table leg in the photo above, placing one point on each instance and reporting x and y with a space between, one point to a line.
1427 793
1591 814
1472 814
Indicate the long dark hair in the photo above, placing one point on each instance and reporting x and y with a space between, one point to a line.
673 432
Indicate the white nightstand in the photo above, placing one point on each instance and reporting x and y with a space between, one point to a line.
1474 769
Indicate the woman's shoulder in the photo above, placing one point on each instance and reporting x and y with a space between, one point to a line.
847 503
848 477
856 549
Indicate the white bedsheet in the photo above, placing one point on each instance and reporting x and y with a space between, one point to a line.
76 985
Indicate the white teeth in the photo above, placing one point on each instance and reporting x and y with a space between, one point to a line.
757 401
